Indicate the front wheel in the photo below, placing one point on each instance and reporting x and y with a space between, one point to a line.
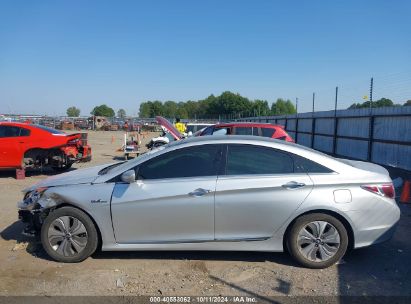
68 235
317 240
63 168
158 144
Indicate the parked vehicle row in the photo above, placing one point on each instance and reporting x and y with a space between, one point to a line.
170 133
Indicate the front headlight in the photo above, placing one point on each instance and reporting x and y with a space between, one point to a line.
31 198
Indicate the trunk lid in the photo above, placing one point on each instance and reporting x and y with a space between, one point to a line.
366 166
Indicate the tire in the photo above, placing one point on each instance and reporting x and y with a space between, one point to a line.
158 144
73 245
315 249
63 168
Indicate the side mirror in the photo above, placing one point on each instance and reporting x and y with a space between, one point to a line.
128 176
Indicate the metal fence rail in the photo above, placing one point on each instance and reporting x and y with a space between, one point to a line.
380 135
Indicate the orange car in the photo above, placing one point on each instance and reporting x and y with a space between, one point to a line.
34 146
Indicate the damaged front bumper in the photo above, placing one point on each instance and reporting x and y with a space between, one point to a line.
32 221
33 210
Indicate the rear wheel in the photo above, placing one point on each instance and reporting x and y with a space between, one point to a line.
317 240
69 235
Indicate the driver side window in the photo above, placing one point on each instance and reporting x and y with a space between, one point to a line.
186 162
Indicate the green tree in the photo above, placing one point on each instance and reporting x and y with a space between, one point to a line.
228 104
145 109
121 113
170 109
407 103
103 110
157 109
282 107
260 108
73 112
383 102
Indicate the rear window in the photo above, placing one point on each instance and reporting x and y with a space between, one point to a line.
305 165
50 130
208 131
267 132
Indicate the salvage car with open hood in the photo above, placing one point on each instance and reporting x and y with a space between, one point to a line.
169 134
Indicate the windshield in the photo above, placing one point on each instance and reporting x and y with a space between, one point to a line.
119 167
169 136
50 130
108 168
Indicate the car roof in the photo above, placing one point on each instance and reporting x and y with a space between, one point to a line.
230 139
316 156
251 124
15 124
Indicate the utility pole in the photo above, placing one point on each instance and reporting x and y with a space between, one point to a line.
313 101
336 101
371 89
313 123
296 106
335 122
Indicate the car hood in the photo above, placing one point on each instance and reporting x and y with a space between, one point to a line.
169 127
81 176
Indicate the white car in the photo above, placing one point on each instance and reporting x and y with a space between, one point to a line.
239 193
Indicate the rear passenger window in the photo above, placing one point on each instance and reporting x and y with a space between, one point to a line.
303 165
249 159
267 132
24 132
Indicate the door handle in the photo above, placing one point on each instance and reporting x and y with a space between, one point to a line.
293 185
199 192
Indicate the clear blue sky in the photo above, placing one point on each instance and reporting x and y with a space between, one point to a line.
54 54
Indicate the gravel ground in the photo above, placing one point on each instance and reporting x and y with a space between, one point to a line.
25 269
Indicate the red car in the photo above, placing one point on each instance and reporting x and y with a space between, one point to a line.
248 128
33 146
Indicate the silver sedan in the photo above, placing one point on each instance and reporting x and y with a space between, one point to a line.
216 193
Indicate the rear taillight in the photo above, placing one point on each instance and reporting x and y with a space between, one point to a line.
386 190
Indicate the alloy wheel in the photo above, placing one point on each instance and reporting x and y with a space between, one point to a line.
318 241
67 235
